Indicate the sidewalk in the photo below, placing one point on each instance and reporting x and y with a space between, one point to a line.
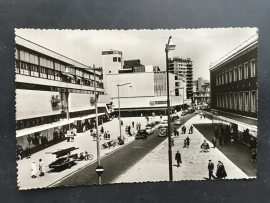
154 166
84 142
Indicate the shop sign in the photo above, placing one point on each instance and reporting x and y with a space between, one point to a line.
152 103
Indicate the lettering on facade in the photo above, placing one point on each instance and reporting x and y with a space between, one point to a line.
111 52
152 103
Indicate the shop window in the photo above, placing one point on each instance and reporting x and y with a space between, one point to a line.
235 101
245 70
246 101
252 68
253 101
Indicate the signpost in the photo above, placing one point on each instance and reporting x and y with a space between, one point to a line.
99 171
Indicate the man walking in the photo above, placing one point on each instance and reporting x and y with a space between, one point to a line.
214 141
132 124
211 169
178 158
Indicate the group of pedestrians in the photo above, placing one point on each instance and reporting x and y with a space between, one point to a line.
224 135
138 126
34 172
220 172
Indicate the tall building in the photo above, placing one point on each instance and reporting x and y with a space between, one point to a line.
53 93
111 64
234 90
182 68
201 93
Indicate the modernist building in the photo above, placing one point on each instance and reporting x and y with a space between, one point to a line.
234 89
201 93
182 68
147 95
52 93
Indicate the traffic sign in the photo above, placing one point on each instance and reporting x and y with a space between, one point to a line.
99 170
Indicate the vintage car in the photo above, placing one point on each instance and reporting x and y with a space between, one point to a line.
141 134
163 124
162 132
149 130
64 159
177 122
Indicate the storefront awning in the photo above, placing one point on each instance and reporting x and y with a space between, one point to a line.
39 128
87 117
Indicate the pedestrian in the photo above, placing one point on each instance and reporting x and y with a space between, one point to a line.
126 128
232 140
178 158
220 173
132 124
182 130
175 132
220 140
214 141
40 167
190 130
210 170
216 131
187 139
185 129
129 128
172 142
105 136
204 115
160 117
254 154
33 170
139 126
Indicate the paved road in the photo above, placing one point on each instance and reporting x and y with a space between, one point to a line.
118 162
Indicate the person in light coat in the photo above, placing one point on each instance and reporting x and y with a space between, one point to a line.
33 170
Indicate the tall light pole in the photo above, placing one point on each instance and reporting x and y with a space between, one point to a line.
130 85
167 48
96 112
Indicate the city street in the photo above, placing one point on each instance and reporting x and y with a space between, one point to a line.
154 166
83 141
119 162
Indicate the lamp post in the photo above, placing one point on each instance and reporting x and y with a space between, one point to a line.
130 85
96 112
167 48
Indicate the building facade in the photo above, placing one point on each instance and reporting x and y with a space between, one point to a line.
52 94
234 87
182 68
201 93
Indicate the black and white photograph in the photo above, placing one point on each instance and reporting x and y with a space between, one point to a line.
97 107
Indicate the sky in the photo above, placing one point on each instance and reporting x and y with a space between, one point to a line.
202 46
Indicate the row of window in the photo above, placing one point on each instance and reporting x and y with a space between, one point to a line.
39 61
249 70
115 59
242 101
46 73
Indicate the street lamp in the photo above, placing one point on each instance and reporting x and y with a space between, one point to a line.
167 48
130 85
96 112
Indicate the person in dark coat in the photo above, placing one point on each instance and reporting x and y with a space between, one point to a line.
254 154
214 141
132 124
210 170
191 130
175 132
220 173
187 141
178 158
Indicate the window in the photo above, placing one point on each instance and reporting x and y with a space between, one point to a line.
246 101
231 100
25 68
230 75
34 70
57 75
114 59
119 59
252 68
235 101
240 72
51 74
245 70
223 101
226 77
217 80
253 101
223 78
234 74
43 72
227 100
240 101
220 80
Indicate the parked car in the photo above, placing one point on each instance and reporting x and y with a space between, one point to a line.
162 132
140 134
149 130
177 122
